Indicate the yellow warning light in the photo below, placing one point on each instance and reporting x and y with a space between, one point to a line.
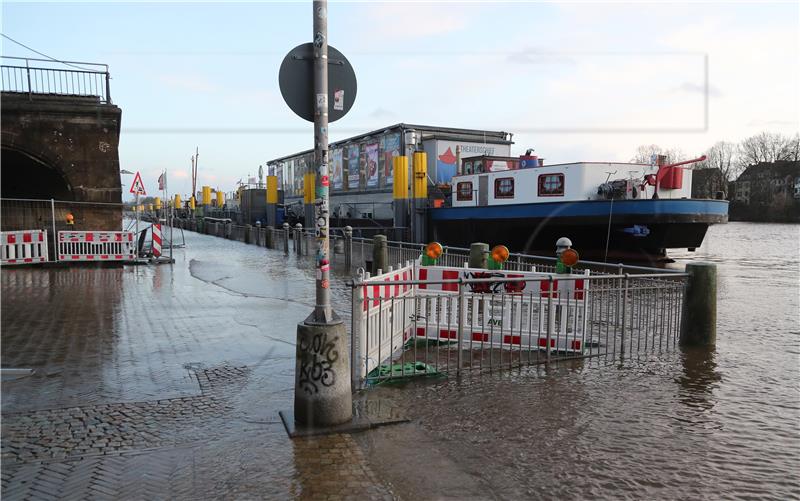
433 250
70 218
569 257
500 253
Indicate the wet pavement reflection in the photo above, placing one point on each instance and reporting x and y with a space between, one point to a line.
164 382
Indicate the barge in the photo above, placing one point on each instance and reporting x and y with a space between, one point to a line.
606 209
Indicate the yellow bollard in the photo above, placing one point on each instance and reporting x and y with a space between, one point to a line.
272 189
400 190
192 203
220 198
177 203
420 175
206 195
157 203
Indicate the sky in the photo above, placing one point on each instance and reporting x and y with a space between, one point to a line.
574 80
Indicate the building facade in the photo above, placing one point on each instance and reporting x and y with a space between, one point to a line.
361 166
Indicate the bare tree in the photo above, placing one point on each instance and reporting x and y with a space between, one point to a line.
645 153
768 147
722 156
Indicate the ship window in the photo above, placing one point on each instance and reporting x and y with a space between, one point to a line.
464 191
551 185
504 187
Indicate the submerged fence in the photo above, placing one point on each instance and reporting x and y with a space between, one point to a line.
418 321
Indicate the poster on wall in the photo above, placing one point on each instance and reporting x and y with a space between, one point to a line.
352 167
372 165
337 169
391 149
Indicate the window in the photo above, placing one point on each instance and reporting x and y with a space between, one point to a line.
551 185
504 187
464 191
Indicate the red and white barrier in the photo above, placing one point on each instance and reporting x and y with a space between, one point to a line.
96 246
382 320
22 247
529 313
156 240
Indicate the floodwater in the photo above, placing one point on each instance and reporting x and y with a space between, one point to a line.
691 424
688 424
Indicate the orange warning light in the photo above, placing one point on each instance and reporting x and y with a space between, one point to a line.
500 253
569 257
70 218
433 250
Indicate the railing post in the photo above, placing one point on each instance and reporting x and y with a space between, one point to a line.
28 72
108 87
461 318
55 235
355 335
624 315
286 238
348 246
550 315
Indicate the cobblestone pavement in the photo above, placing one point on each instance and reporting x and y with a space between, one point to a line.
163 382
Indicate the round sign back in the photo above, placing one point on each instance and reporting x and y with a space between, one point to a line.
296 80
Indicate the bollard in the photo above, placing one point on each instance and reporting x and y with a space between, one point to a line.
322 393
380 254
348 246
699 318
247 234
478 253
269 243
298 239
286 238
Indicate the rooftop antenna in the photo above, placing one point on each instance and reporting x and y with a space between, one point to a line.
610 211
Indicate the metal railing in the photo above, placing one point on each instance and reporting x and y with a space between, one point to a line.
402 328
37 77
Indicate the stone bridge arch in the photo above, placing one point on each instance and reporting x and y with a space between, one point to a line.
63 148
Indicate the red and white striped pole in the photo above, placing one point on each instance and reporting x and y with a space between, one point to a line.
156 240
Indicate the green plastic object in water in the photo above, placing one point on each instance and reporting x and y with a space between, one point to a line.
407 369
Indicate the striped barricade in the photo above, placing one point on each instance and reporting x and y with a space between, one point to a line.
22 247
96 246
383 317
503 314
156 240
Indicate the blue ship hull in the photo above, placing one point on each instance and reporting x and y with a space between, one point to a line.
646 227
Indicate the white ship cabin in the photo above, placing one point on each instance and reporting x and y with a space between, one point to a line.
518 181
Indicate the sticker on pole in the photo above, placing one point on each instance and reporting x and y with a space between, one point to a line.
137 188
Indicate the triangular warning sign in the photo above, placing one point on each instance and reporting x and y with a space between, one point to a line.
137 188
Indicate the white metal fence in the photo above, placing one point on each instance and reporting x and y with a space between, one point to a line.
419 320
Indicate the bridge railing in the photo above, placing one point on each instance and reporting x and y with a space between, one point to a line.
42 77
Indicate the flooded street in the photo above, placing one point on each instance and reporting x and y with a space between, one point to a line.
183 370
691 424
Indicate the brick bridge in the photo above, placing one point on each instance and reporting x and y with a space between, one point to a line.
60 139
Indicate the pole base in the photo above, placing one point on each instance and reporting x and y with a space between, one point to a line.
322 375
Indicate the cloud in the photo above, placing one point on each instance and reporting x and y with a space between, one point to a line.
192 83
696 88
180 174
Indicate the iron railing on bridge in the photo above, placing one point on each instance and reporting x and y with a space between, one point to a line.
42 77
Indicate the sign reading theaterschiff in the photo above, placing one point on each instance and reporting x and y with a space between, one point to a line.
363 164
